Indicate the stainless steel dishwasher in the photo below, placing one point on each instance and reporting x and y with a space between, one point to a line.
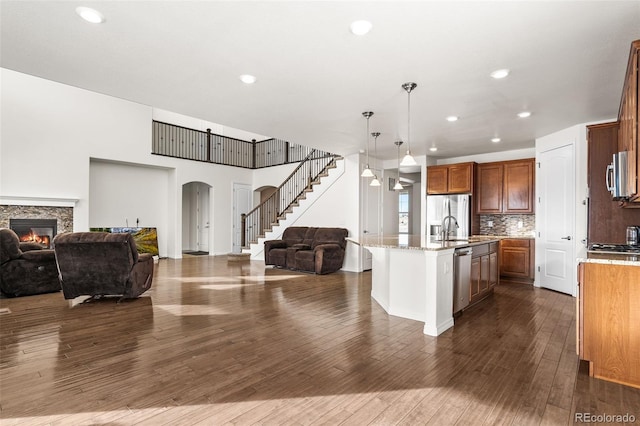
462 278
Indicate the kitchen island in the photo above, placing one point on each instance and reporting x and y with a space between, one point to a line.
412 276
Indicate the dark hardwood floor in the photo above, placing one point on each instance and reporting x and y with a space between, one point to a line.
234 343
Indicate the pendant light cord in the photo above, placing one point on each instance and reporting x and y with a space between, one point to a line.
368 141
409 121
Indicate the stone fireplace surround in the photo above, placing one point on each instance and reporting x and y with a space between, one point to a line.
32 209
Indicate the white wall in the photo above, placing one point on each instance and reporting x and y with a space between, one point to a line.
490 157
121 193
416 208
63 127
189 200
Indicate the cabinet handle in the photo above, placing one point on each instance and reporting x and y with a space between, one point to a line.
566 238
609 178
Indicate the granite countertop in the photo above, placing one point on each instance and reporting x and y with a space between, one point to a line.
419 242
611 259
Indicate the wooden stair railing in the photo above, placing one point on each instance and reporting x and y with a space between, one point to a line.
294 188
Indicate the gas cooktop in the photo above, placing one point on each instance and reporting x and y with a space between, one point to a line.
614 248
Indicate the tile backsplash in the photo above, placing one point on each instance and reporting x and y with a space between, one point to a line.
508 224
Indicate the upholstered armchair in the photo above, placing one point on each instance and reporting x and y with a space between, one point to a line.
26 268
100 263
319 250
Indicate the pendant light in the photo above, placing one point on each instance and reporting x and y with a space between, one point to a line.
398 186
367 171
408 159
375 181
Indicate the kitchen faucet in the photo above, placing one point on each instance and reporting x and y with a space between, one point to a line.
446 226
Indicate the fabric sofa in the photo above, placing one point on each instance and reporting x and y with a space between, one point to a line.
100 264
26 268
310 249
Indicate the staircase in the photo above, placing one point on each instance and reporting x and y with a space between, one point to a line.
267 221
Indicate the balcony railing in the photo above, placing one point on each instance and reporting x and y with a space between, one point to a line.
190 144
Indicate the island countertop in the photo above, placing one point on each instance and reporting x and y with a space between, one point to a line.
627 259
420 242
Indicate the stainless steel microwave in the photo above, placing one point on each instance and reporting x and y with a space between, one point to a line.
617 176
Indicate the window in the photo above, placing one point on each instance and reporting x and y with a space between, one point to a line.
403 212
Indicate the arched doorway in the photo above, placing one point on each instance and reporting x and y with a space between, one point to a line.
196 217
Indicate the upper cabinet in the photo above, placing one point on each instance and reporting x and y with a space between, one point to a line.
489 188
628 119
450 179
505 187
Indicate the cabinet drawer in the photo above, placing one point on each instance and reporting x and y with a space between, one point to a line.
480 250
493 247
515 243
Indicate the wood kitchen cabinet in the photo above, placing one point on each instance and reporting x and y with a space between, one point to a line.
489 187
628 117
517 259
484 271
450 179
607 222
505 187
608 315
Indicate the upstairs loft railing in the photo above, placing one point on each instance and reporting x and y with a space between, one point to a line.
190 144
260 219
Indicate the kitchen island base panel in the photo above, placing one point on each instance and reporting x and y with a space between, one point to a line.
414 284
609 321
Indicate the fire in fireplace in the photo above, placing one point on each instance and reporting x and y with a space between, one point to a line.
40 231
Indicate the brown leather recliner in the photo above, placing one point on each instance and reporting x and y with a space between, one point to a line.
26 268
310 249
100 264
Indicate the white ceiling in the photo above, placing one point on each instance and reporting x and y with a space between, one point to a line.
315 78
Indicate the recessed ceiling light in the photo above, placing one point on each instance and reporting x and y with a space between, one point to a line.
360 27
452 118
495 140
524 114
90 15
498 74
248 78
433 149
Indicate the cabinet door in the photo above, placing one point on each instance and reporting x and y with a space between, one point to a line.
610 321
514 262
493 269
437 178
460 178
518 187
474 290
484 273
627 136
489 188
579 313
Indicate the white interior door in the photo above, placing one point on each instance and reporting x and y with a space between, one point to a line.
202 215
242 200
556 202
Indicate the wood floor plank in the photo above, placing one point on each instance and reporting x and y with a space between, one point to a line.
219 343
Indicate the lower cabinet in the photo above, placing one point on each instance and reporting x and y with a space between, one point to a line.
484 271
517 259
608 321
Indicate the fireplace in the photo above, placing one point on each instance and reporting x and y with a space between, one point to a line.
40 231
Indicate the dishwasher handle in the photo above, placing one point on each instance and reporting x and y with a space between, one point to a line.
463 252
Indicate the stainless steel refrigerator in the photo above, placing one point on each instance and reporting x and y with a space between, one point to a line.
441 206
